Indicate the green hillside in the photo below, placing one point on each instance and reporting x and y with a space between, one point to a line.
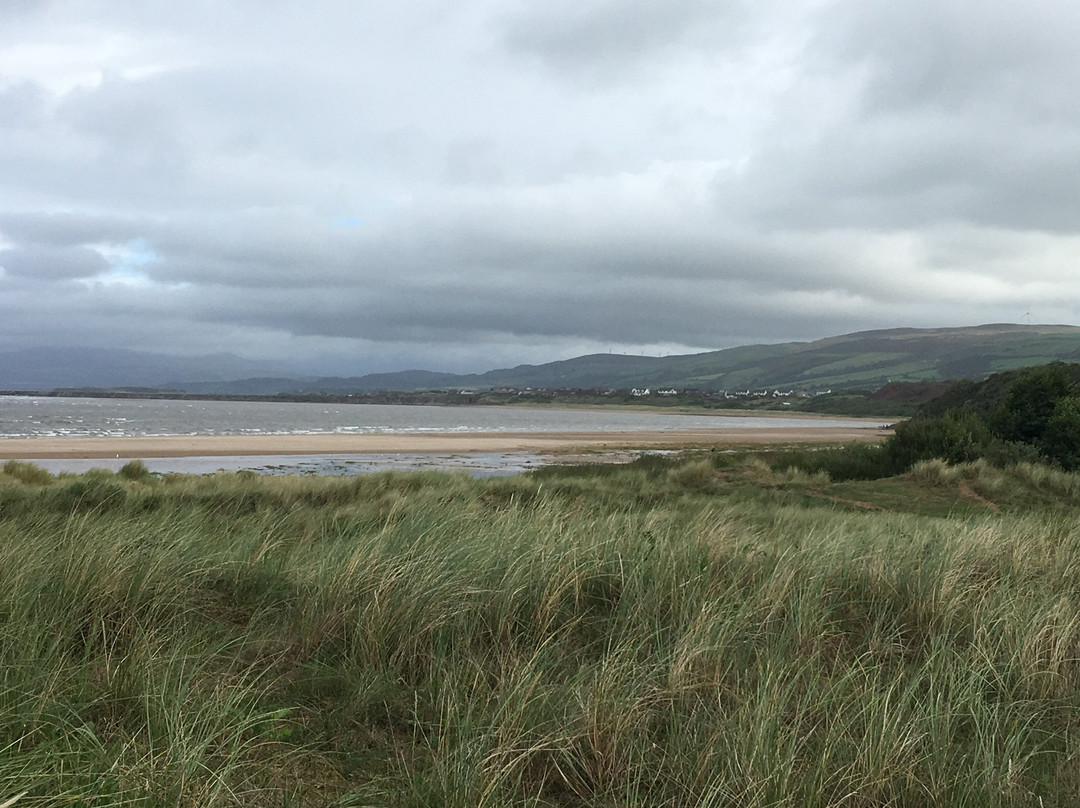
864 360
867 360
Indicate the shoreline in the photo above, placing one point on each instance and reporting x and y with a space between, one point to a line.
463 442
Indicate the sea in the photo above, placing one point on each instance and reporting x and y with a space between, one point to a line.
58 417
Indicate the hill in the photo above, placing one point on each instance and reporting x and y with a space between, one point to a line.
48 368
863 360
985 397
1026 415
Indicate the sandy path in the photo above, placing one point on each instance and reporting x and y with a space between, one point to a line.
541 442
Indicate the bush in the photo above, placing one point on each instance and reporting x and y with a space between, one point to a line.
956 437
1060 440
1030 403
27 473
1004 454
135 470
856 461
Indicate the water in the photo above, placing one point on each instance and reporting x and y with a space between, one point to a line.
478 464
34 416
54 417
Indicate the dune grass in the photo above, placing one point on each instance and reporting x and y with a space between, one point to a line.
690 632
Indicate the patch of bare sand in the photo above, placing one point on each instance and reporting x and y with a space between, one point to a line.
585 443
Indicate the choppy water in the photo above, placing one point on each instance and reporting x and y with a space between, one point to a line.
32 416
46 416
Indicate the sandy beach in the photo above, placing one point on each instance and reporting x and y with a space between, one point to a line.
540 442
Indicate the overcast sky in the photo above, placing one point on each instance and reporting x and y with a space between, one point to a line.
467 184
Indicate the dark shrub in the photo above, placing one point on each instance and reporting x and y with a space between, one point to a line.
859 461
1060 440
856 461
1009 453
1029 404
956 437
135 470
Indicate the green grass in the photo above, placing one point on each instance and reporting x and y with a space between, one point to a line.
700 631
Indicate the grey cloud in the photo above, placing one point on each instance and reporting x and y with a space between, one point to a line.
22 106
587 308
940 54
473 161
978 175
124 116
68 229
112 152
14 9
525 271
393 179
609 35
934 114
53 263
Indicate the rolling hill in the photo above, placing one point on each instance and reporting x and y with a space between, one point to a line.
48 368
866 360
863 360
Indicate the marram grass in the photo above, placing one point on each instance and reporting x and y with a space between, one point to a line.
667 634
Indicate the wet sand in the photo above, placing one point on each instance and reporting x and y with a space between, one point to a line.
540 442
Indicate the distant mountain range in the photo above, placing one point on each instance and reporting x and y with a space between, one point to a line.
53 368
866 360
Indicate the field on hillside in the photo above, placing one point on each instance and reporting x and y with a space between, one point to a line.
701 631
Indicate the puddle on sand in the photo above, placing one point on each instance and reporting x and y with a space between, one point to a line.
478 464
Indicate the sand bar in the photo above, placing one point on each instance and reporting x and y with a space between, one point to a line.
541 442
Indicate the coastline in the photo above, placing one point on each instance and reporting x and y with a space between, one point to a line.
458 442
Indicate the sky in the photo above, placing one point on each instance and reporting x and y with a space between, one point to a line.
356 187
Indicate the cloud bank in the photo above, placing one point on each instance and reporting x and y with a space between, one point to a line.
471 184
